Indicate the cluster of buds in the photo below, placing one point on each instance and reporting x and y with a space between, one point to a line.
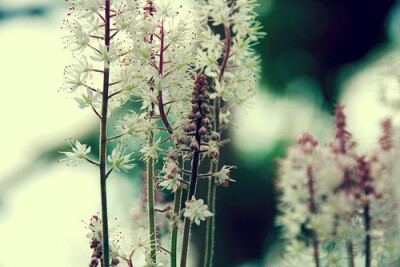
96 244
200 126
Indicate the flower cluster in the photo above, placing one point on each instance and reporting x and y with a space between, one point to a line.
149 52
199 125
339 202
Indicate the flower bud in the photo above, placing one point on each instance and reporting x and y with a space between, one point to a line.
202 131
215 136
213 153
181 140
114 261
205 121
194 146
192 127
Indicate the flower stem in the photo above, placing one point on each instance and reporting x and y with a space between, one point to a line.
350 253
214 165
211 197
150 201
192 190
312 209
177 207
367 237
103 143
211 223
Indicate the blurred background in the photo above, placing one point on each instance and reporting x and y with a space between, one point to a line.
315 54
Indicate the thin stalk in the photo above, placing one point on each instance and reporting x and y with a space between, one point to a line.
177 207
103 143
367 221
212 186
150 200
192 190
350 253
214 165
312 209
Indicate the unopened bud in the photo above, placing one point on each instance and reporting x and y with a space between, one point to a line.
215 136
114 261
192 127
202 131
213 153
194 146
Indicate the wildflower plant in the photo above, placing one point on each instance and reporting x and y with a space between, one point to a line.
336 205
185 77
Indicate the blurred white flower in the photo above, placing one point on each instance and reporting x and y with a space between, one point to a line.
196 210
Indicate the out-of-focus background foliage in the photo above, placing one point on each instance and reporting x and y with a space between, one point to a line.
315 54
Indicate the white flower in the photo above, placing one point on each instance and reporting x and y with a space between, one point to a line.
150 150
119 160
223 175
96 229
196 210
73 79
171 176
88 99
79 152
78 38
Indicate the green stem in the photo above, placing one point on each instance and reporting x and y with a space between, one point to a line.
211 223
177 207
103 143
367 237
150 200
350 253
211 197
192 190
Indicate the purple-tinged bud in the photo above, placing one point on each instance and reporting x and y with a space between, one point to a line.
209 127
195 107
204 106
198 115
208 111
181 140
188 140
114 261
194 146
192 127
213 153
186 129
215 136
191 116
193 101
202 131
205 121
93 262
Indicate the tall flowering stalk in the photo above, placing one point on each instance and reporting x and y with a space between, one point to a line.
148 52
90 33
348 209
231 63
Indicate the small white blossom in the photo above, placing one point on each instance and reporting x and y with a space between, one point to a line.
119 160
196 210
79 152
171 176
224 175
